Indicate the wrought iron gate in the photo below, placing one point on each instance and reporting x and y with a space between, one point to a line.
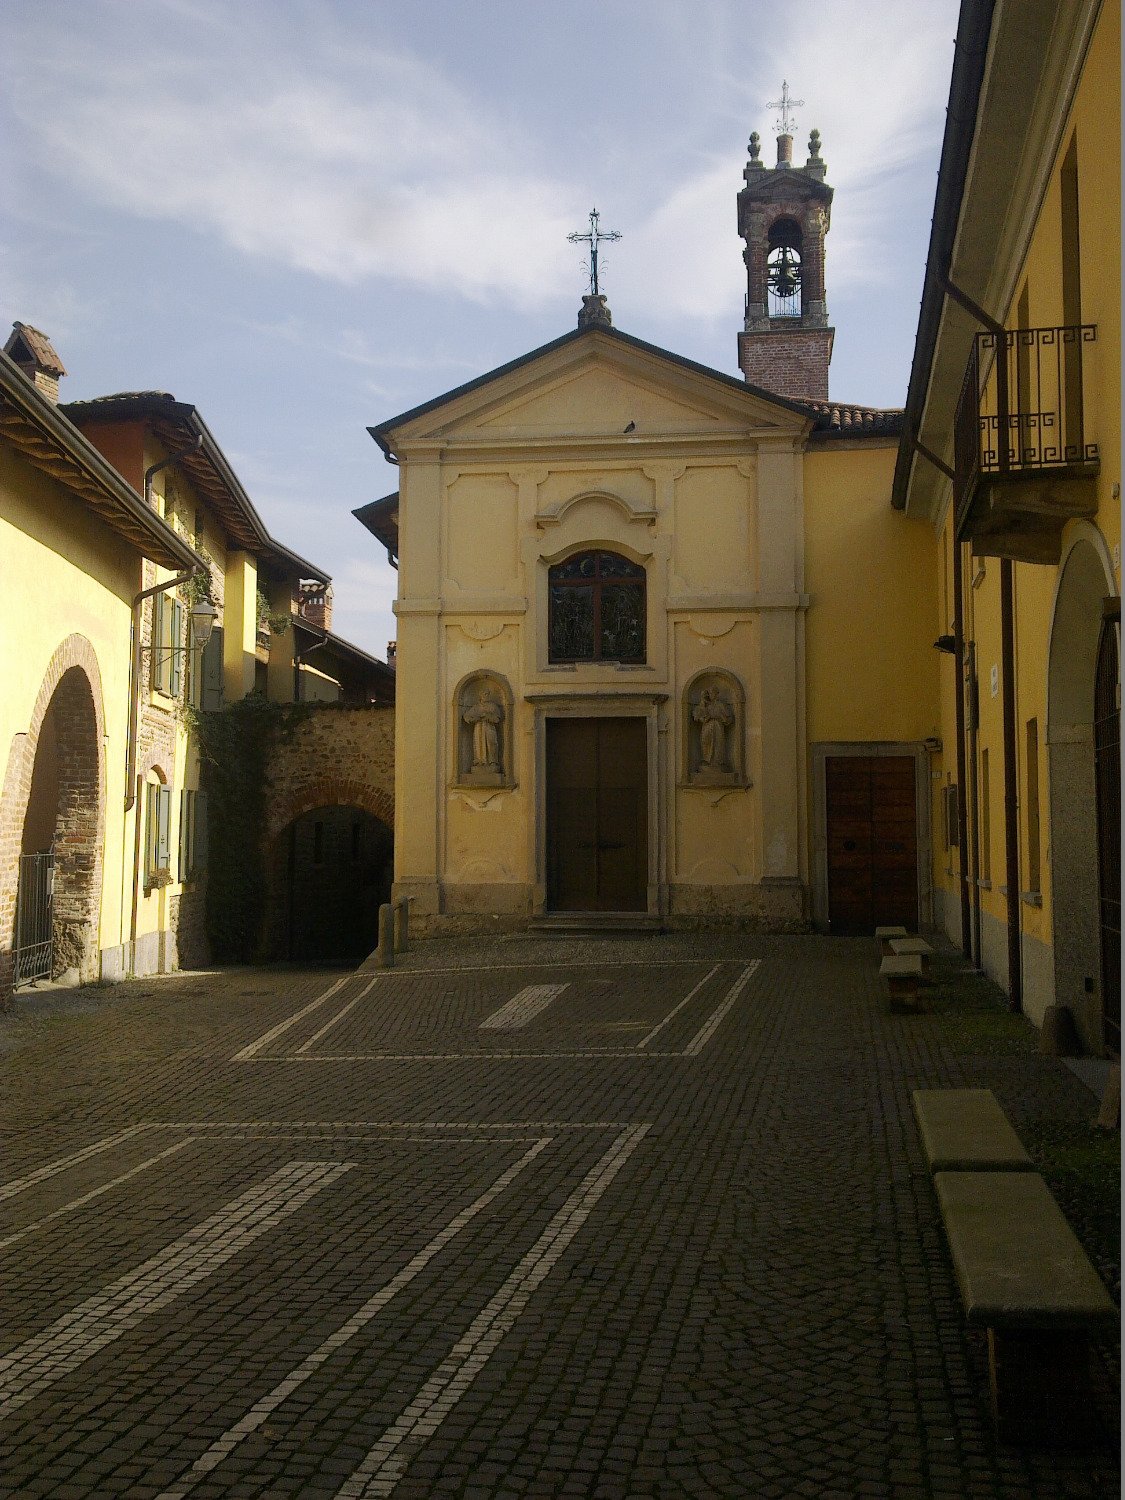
34 942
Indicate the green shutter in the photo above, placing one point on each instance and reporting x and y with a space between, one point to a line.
157 641
175 648
163 827
211 672
183 852
199 833
150 830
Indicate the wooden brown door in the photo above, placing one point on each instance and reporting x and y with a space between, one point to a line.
872 842
597 815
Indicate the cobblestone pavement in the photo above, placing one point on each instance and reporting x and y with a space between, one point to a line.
523 1217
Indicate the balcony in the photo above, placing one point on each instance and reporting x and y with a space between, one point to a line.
1023 465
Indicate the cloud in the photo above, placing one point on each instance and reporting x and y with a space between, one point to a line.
289 135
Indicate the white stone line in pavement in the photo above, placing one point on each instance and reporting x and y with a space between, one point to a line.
336 1019
222 1447
67 1208
708 1029
334 1125
522 1009
283 1026
385 1464
18 1184
398 1057
34 1365
532 964
691 994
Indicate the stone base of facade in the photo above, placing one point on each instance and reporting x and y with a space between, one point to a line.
769 906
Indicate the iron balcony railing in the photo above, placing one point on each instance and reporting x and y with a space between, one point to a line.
1020 408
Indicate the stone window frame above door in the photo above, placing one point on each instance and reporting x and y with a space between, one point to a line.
597 522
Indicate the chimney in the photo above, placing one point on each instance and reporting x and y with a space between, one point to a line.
392 647
314 603
32 352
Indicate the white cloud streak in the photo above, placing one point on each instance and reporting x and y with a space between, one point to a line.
294 142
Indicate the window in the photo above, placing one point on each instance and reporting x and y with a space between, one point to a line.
950 807
1033 886
193 834
167 645
158 824
596 609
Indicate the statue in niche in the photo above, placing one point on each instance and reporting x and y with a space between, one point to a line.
714 714
485 717
712 728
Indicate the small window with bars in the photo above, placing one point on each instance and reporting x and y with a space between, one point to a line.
193 834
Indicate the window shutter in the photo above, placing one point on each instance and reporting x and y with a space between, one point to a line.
175 653
163 820
150 830
199 833
183 853
157 641
211 672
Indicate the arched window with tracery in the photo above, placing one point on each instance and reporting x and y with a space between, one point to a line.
596 609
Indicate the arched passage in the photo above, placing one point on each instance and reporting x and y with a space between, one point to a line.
331 868
51 826
1078 837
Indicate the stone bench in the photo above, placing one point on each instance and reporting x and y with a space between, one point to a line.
885 934
965 1130
901 975
1024 1277
908 947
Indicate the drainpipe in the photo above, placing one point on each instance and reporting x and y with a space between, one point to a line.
1011 791
974 854
962 807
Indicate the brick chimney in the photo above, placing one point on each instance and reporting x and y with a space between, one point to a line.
34 354
392 648
314 603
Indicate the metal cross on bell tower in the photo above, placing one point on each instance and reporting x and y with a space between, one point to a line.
594 237
786 104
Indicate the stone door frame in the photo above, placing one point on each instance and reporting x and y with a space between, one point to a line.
820 754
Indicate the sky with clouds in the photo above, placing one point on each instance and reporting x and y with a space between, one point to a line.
305 216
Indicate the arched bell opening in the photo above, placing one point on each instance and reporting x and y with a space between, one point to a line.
783 269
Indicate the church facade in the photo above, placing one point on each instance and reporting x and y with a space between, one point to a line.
664 647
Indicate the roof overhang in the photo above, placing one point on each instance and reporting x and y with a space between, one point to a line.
38 429
175 423
381 519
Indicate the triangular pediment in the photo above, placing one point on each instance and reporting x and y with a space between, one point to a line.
596 386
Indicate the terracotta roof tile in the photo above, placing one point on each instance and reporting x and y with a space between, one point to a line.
837 419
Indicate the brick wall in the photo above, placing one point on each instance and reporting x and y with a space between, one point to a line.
789 362
73 682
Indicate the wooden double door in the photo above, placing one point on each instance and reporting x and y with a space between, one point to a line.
872 839
597 814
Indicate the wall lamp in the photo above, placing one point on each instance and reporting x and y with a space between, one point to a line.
946 643
202 621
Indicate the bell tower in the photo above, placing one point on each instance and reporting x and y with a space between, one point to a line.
783 215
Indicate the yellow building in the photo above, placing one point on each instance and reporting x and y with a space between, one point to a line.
647 670
1011 453
107 643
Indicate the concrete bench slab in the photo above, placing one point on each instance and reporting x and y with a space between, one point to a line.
891 932
1018 1262
901 966
904 947
966 1130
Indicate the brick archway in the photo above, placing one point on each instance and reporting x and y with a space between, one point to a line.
72 690
330 791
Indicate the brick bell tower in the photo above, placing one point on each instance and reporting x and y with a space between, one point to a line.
783 215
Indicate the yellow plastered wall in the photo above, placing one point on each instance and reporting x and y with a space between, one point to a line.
63 572
871 575
1093 125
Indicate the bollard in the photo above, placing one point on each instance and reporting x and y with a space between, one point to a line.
402 925
384 955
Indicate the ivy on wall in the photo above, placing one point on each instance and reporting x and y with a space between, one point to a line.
234 749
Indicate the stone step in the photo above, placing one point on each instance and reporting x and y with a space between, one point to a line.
587 923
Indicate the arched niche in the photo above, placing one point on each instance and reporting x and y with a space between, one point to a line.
482 731
713 718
